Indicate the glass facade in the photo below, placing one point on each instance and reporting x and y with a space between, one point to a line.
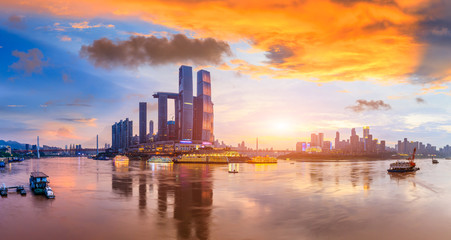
142 122
186 102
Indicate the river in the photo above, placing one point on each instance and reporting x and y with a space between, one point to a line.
288 200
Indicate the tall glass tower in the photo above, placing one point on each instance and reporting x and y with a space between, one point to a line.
186 102
203 107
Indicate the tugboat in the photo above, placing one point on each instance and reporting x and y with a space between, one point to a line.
38 182
3 191
404 166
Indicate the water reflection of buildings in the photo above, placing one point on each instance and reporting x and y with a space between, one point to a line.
188 186
360 174
193 198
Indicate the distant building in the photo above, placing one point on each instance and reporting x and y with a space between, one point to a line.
337 140
151 127
320 139
171 130
314 140
122 133
142 122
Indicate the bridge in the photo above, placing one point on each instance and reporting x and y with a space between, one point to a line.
60 150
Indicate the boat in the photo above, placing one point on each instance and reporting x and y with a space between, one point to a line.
404 166
233 167
49 192
21 189
120 158
160 159
260 159
38 182
2 163
101 157
3 191
434 161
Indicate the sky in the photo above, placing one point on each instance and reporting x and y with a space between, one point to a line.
280 70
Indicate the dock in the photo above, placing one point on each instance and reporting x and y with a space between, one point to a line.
19 189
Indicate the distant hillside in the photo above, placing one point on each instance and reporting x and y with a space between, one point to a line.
12 144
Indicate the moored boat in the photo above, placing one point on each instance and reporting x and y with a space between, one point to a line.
38 182
260 159
404 166
434 161
160 159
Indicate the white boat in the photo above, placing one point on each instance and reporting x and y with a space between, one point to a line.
233 167
49 192
404 166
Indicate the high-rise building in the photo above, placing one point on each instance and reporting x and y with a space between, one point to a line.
314 140
320 139
354 139
203 108
366 133
151 128
171 130
337 140
122 133
142 122
186 102
162 117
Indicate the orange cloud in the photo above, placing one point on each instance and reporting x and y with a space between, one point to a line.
65 38
317 40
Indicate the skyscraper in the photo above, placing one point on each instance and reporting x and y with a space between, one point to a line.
186 102
203 108
320 139
142 122
337 140
151 128
366 133
162 117
313 140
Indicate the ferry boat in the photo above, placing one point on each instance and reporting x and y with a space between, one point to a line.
160 159
404 166
121 158
38 182
266 159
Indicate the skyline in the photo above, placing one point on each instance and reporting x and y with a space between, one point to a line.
317 66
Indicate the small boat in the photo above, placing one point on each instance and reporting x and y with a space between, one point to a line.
404 166
2 163
233 168
38 182
266 159
21 189
160 159
3 191
49 193
434 161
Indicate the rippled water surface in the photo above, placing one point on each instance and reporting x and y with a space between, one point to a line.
288 200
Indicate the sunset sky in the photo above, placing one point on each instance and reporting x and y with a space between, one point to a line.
280 69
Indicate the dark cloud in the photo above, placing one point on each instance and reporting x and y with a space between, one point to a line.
29 62
419 100
278 53
364 105
139 50
434 31
352 2
16 21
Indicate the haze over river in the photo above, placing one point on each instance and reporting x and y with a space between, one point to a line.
288 200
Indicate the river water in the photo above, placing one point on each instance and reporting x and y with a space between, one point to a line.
288 200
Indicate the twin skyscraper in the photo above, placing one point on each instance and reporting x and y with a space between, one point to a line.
193 114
